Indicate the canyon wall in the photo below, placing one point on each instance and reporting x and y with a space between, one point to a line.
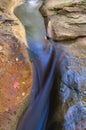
68 98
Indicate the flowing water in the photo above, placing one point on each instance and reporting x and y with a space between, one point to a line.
44 59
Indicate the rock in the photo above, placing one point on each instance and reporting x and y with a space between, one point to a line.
68 98
15 68
8 5
67 17
69 26
54 5
72 117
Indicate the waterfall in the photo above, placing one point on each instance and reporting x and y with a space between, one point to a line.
44 59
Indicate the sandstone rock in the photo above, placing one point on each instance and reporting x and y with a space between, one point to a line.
15 68
67 17
8 5
50 4
69 26
68 98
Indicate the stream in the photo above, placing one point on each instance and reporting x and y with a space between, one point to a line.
44 57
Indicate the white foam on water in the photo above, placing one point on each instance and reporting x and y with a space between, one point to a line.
35 3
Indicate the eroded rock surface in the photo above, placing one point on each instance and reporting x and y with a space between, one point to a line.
68 111
15 69
68 18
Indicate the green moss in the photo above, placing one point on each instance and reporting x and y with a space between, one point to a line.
66 3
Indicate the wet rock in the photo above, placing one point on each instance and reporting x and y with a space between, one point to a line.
75 121
68 98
